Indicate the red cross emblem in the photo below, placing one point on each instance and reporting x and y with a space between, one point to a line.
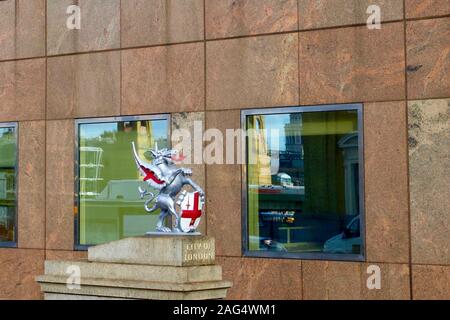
191 211
149 174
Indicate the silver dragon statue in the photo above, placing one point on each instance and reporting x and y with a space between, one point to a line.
163 175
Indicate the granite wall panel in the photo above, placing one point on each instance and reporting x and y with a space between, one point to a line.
22 90
352 64
86 85
99 26
325 14
151 22
431 282
224 192
426 8
163 79
262 279
386 182
252 72
429 143
31 191
331 280
60 185
19 269
22 25
231 18
428 58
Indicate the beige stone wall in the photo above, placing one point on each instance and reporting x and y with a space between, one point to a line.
207 59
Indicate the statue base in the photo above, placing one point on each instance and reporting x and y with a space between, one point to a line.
152 267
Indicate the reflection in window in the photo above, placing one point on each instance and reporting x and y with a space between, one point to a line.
110 207
303 182
8 154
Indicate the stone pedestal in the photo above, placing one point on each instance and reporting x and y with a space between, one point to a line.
161 267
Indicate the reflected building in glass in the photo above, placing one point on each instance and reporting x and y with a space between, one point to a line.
310 202
8 161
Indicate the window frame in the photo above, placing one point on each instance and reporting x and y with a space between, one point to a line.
358 107
78 122
14 243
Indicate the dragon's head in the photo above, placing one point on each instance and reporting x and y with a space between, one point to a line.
163 156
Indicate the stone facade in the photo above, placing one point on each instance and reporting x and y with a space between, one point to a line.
208 60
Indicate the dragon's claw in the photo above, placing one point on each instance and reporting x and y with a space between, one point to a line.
142 192
163 229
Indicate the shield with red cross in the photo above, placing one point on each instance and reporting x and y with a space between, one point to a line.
191 211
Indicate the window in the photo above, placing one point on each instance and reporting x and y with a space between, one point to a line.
109 204
303 193
8 185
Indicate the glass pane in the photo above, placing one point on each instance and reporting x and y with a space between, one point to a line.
110 207
8 150
303 182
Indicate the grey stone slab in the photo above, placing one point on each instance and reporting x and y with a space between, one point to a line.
62 296
115 271
136 289
157 250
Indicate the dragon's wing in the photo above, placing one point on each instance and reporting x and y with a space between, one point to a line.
152 174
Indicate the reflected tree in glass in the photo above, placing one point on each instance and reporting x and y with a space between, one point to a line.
110 207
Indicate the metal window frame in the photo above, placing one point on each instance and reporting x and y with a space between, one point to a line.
78 122
14 244
244 205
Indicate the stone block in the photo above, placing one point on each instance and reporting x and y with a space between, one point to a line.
426 8
31 182
386 182
164 250
431 282
22 90
428 58
429 184
150 22
230 18
103 288
86 85
135 272
252 72
99 30
22 25
163 79
324 14
352 64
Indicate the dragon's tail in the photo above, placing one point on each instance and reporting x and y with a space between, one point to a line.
152 197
